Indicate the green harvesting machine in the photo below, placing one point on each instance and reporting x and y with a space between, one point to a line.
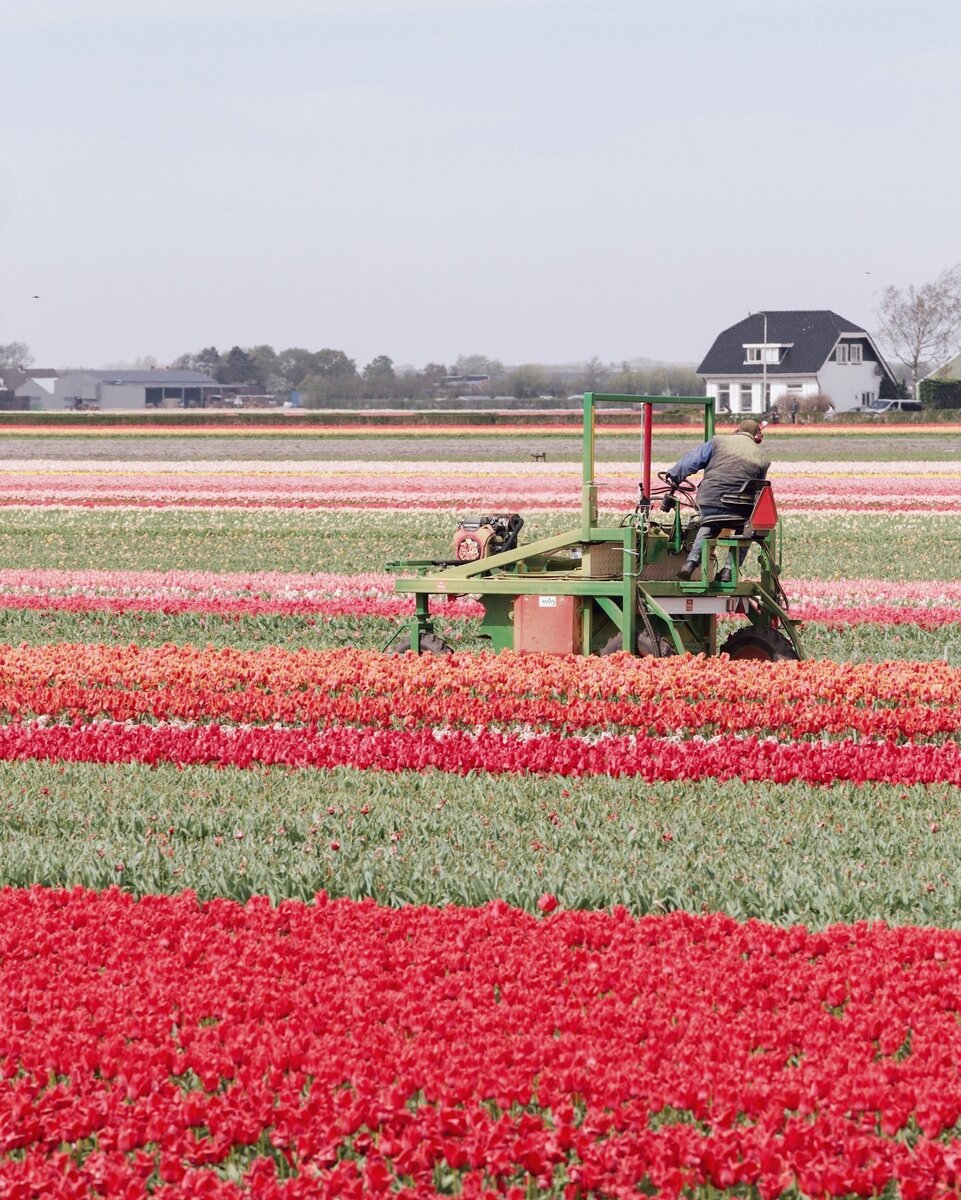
609 585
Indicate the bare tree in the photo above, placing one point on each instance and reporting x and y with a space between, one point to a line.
15 354
922 324
594 374
527 381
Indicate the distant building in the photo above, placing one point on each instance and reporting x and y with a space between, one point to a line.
773 358
29 386
113 390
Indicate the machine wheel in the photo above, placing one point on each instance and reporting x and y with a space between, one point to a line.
430 643
660 647
768 645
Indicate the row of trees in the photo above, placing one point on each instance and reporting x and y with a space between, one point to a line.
324 375
920 326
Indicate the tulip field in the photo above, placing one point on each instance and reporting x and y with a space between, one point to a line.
283 914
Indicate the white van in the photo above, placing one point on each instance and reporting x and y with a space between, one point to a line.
878 408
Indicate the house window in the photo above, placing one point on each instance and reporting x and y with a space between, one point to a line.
753 354
867 397
772 354
747 397
723 398
848 352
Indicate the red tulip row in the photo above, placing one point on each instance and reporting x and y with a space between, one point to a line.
896 700
342 1049
652 759
893 722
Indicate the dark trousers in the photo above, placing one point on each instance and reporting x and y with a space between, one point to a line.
711 528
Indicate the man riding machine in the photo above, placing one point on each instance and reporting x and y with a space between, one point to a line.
734 466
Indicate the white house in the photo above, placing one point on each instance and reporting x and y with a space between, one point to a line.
771 358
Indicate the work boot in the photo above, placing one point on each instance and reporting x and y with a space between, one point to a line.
688 569
724 576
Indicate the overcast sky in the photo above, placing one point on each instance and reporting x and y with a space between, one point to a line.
535 180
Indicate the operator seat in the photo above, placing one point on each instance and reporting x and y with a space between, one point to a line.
752 515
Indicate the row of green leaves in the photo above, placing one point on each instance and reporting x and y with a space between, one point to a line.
783 853
850 643
916 546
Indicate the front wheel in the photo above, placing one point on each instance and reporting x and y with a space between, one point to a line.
757 642
646 647
430 643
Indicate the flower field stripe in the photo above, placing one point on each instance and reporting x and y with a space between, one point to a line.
817 721
359 429
371 594
374 423
451 608
344 1049
414 485
650 759
859 592
838 616
233 606
439 469
619 693
243 594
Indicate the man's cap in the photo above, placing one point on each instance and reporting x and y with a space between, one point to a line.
749 426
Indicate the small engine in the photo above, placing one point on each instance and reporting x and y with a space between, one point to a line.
480 537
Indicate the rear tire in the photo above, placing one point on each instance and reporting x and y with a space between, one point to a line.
430 643
660 647
756 642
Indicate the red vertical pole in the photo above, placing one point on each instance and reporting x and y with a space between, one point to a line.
646 461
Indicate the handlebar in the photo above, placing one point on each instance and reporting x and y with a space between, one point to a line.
673 491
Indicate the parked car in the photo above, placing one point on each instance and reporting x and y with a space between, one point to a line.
878 408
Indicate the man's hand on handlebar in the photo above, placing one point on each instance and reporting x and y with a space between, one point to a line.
674 491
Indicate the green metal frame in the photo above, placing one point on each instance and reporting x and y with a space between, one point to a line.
616 600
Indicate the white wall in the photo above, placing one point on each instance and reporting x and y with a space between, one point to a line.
846 382
115 396
75 384
779 390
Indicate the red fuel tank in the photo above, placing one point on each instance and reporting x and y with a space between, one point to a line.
547 624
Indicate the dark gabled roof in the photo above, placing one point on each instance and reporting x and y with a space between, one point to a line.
811 334
157 376
13 377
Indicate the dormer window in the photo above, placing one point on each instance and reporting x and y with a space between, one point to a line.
764 353
848 352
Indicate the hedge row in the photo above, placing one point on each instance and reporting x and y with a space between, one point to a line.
296 419
940 393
